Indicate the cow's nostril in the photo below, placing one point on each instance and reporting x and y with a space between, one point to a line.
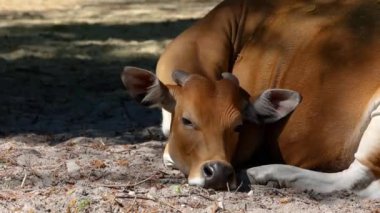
208 171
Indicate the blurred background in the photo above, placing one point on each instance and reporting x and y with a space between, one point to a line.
60 64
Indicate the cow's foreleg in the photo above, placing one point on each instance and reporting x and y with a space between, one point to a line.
362 177
356 178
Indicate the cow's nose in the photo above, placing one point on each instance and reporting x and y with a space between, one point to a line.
218 175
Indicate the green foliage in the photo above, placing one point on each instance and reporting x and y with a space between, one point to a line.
83 204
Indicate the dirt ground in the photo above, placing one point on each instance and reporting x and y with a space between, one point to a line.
70 138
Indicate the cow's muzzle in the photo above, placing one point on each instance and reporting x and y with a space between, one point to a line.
218 175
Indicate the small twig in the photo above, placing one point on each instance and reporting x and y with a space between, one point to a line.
27 190
204 196
136 197
164 173
171 206
177 196
21 190
138 177
121 151
148 198
23 180
133 203
101 142
228 187
128 185
48 167
119 203
199 193
240 185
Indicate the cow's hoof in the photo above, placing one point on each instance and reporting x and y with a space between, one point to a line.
273 184
259 175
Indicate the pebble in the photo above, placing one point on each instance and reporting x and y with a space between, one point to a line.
72 168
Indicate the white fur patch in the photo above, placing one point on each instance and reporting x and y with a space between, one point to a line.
370 141
166 122
168 161
197 181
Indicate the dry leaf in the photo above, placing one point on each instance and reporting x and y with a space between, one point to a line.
285 200
213 208
122 162
98 164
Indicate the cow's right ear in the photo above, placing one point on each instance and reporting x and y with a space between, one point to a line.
272 105
144 87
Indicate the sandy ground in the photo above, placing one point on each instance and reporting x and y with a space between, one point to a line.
70 138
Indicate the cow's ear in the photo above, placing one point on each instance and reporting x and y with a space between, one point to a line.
144 87
272 105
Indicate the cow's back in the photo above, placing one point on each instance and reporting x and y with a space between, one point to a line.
327 51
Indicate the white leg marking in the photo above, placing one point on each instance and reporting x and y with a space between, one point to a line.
357 177
167 159
166 121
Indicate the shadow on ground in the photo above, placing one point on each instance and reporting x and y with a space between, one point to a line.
64 80
38 35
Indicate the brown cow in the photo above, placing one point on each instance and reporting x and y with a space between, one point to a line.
326 50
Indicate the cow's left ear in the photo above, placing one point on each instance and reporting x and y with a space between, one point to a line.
272 105
144 87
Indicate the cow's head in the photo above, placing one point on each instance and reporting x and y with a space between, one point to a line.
207 118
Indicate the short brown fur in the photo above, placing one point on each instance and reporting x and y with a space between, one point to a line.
327 51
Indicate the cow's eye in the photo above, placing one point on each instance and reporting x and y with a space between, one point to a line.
187 122
238 128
